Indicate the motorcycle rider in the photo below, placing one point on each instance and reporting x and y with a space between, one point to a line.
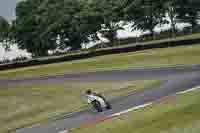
92 97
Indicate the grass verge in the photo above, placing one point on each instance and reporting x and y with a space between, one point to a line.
24 105
186 55
179 115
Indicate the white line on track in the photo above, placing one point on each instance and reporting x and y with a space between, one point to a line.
131 109
189 90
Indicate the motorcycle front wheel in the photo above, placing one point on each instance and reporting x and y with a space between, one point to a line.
97 106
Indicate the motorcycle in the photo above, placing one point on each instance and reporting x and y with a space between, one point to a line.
98 102
97 105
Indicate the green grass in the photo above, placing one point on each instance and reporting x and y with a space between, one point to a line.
186 55
24 105
178 115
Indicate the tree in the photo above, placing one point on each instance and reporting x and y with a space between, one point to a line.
28 29
188 13
170 7
4 33
111 13
53 24
145 14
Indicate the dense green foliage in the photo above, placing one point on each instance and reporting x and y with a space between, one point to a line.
43 25
188 14
3 28
146 14
5 33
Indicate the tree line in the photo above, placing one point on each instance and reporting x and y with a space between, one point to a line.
43 25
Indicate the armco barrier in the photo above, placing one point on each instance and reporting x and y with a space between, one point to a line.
100 52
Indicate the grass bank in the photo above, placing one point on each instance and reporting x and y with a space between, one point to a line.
179 115
24 105
184 55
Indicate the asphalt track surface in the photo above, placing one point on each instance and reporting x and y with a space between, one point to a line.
173 80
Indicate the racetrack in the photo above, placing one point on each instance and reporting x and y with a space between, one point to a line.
173 80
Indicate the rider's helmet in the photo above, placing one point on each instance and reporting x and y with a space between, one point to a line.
88 92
